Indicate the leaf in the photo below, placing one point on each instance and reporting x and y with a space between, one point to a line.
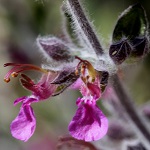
140 47
66 77
60 89
132 23
55 49
119 51
132 27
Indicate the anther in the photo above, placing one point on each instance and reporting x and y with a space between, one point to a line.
7 79
14 74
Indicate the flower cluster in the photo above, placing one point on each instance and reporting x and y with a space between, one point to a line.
89 123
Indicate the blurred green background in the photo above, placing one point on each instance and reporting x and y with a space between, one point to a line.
21 22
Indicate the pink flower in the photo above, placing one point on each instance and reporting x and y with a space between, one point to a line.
89 123
23 126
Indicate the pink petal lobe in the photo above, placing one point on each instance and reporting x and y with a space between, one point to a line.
44 89
23 126
20 99
89 123
94 89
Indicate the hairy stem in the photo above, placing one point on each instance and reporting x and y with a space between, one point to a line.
85 26
128 105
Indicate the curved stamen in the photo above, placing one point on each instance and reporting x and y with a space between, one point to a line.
7 76
17 68
11 64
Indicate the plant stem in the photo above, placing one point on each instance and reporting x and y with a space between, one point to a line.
129 107
85 26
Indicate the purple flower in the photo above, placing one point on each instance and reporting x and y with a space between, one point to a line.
23 126
89 123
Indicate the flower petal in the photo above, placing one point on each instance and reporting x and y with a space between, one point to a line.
23 126
94 89
89 123
44 89
20 99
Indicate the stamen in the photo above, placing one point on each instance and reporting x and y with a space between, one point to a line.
6 80
11 64
17 68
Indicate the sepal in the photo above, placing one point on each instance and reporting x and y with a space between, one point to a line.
55 49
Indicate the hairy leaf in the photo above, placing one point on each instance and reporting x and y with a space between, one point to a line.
131 23
55 49
130 36
66 77
119 51
140 46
